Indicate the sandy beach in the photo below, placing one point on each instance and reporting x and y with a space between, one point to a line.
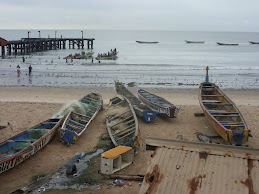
24 107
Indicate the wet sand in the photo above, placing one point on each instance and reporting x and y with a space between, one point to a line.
23 107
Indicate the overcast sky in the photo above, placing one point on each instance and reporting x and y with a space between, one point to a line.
180 15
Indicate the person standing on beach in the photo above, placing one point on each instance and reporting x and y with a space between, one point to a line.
23 59
30 68
18 70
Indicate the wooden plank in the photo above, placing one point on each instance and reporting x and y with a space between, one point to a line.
212 110
199 114
212 101
218 104
121 121
75 122
211 95
226 115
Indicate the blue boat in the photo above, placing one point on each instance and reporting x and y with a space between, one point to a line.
20 147
141 110
78 119
122 123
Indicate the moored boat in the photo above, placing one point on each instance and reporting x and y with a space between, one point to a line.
252 42
142 110
122 123
23 145
223 114
158 104
226 44
78 119
187 41
147 42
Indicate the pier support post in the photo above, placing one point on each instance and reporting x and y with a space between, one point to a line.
9 48
3 51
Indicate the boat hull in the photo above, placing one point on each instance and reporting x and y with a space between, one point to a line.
198 42
158 104
223 115
225 44
13 150
147 42
141 109
122 123
77 120
108 57
251 42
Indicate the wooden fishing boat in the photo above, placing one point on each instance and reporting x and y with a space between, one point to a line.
20 147
223 114
122 123
226 44
252 42
77 120
187 41
142 110
108 56
72 56
147 42
158 104
84 55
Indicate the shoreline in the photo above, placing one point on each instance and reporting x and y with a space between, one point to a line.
67 94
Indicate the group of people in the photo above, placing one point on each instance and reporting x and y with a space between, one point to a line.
109 54
19 70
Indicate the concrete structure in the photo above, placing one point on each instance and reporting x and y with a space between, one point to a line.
116 159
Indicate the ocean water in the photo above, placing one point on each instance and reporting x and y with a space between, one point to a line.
169 64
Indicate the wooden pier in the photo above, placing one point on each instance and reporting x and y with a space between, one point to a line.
29 45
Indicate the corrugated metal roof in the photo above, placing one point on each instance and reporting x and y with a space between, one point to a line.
190 167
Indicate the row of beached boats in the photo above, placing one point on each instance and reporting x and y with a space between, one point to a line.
122 122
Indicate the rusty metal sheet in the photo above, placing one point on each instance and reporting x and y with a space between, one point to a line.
188 167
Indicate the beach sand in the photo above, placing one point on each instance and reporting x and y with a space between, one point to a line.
24 107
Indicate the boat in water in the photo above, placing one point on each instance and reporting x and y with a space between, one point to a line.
147 42
252 42
142 110
222 114
226 44
122 123
83 55
158 104
187 41
110 55
80 116
25 144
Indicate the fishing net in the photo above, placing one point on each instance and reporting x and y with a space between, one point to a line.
32 135
82 108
